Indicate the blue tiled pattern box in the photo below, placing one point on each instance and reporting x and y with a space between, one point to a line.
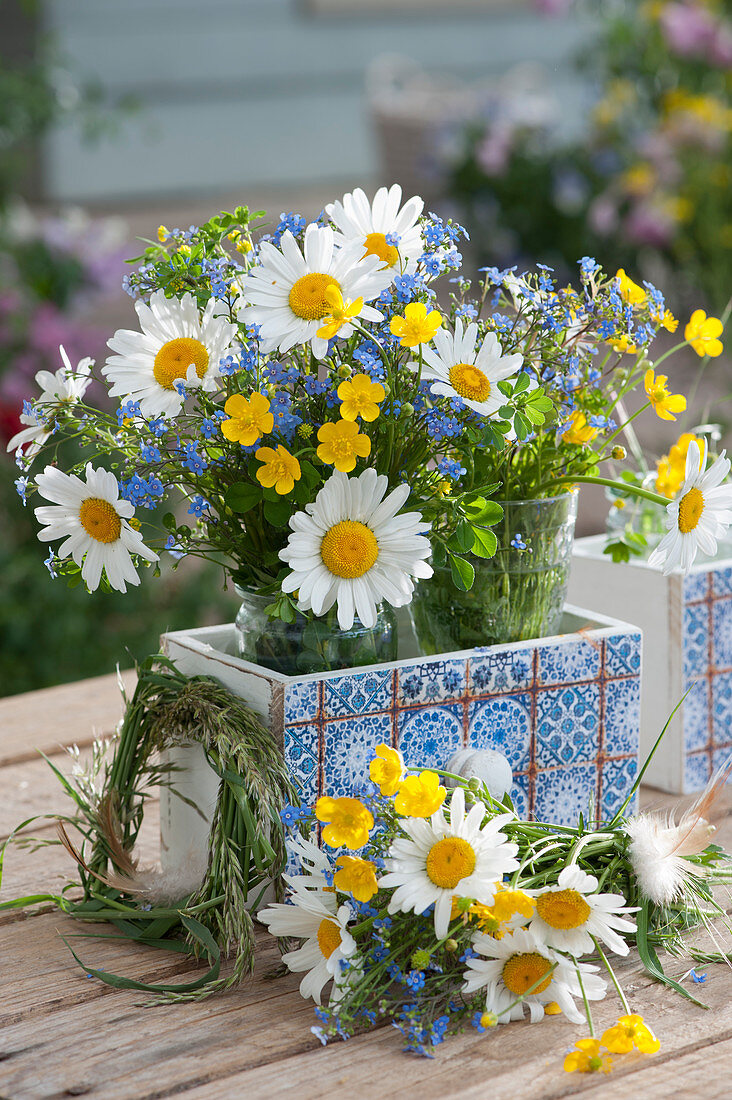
565 711
707 633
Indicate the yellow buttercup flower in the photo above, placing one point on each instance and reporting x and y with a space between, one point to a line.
341 444
420 795
387 769
250 418
552 1009
587 1058
623 345
349 821
163 233
579 431
630 292
666 320
360 396
507 902
356 876
665 404
628 1032
703 334
340 312
280 470
417 326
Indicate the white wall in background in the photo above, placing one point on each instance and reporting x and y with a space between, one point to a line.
243 92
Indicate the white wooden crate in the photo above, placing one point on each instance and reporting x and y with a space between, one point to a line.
687 642
563 710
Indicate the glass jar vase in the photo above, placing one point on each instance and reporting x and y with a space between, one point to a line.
309 644
517 594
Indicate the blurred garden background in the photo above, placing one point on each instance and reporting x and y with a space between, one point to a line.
551 129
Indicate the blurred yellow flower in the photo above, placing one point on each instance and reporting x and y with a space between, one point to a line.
341 444
420 795
623 345
665 404
280 469
703 334
671 468
587 1058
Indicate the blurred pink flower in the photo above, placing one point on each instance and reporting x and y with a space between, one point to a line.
692 31
603 216
494 150
553 7
646 224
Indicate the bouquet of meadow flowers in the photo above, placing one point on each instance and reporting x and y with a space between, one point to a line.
332 431
438 911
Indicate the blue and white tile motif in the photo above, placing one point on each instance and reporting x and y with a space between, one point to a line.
707 665
568 724
566 715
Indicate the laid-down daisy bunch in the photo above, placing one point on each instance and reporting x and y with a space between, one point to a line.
437 909
300 403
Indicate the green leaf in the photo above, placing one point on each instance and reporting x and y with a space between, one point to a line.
462 538
522 383
490 514
243 496
463 573
439 554
277 512
485 542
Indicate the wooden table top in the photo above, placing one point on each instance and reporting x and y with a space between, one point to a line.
64 1034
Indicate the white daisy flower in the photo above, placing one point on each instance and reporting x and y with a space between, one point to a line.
570 913
322 925
67 385
440 860
462 371
94 523
284 293
313 861
349 546
512 965
176 345
370 223
699 515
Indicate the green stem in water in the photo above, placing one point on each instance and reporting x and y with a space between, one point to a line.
633 490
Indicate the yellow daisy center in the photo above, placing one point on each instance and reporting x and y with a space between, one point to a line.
174 359
563 908
375 244
522 971
349 549
691 507
329 937
307 297
470 382
450 860
100 520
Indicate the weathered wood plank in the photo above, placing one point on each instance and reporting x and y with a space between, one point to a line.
47 869
65 715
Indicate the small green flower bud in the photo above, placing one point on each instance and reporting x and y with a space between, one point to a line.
407 409
420 959
451 946
344 371
474 784
618 453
